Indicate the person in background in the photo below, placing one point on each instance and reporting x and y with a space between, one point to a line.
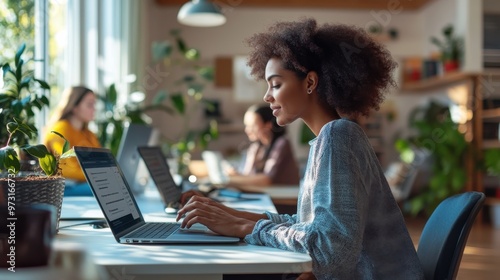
269 159
347 219
71 119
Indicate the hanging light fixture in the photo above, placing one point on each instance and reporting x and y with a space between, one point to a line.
201 13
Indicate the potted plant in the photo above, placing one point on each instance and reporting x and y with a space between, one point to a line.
18 100
18 189
437 133
451 49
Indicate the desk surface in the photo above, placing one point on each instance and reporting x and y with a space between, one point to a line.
280 195
190 261
275 192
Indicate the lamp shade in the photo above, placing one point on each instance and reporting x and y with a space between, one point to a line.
200 13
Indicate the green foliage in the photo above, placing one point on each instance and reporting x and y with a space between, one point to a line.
112 121
9 159
186 82
18 98
451 46
492 161
17 22
436 132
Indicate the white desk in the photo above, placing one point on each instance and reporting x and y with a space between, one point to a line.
175 261
285 195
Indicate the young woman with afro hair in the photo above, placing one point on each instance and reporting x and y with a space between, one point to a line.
347 219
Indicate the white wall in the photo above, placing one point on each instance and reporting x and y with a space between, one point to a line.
415 29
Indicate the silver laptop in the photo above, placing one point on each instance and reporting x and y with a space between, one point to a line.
120 208
133 168
159 170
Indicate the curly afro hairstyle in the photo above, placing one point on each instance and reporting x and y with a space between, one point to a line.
354 71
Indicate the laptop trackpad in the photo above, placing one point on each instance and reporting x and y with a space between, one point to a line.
197 228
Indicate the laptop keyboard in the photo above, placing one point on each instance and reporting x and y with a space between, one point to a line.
154 231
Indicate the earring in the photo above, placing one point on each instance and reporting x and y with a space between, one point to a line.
309 91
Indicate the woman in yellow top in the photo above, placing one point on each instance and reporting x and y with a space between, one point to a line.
71 118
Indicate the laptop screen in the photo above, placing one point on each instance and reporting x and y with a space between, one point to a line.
109 187
160 172
128 158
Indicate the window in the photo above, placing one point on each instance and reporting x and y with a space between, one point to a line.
74 42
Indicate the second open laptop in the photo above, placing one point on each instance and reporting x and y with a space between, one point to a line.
120 208
159 170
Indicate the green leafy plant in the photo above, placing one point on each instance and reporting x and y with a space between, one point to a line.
451 46
184 94
182 97
436 132
18 98
491 161
9 159
113 119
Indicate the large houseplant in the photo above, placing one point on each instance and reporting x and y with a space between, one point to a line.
19 98
186 81
435 131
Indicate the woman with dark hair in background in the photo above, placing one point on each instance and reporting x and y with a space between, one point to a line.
269 159
71 119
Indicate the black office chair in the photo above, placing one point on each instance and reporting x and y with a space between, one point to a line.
445 234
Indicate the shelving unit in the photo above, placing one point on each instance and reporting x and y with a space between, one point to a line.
482 86
488 122
437 82
472 127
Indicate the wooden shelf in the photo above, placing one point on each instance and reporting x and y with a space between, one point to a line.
491 115
437 82
490 144
492 201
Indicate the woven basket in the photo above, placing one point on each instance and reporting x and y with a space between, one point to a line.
49 190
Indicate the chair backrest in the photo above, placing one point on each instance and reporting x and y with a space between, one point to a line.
445 234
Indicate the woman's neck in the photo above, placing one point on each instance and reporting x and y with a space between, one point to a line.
76 123
266 141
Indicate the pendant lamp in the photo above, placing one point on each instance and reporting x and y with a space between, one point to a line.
201 13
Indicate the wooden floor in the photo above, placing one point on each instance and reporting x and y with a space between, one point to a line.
481 259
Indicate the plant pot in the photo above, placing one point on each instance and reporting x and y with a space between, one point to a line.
32 190
450 66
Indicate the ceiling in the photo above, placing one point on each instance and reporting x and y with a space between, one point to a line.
320 4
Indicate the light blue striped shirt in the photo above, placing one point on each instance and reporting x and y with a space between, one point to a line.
347 220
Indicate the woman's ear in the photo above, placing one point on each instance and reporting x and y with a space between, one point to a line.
312 80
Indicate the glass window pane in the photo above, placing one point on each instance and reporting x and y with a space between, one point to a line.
57 49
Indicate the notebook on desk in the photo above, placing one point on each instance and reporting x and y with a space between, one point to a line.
120 207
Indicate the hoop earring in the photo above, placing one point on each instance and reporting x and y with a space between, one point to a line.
309 91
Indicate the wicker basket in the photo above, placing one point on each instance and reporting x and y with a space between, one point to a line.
49 190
